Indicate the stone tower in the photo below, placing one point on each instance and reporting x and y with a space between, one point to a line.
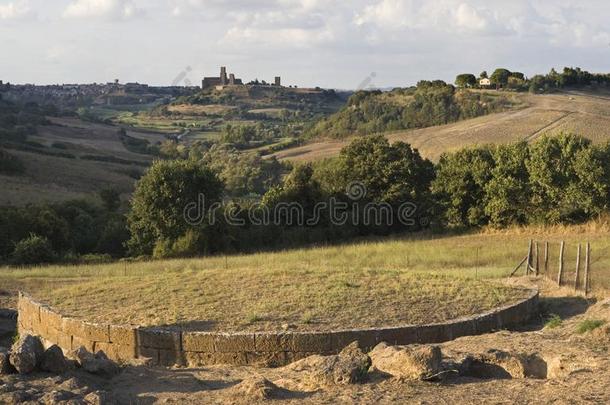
278 81
223 76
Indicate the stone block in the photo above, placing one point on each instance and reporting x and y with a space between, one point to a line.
159 339
273 342
50 318
431 333
367 339
487 322
234 343
77 342
96 332
193 359
311 342
398 336
459 327
123 335
202 342
116 351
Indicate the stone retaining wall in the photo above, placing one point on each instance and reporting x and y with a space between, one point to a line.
194 349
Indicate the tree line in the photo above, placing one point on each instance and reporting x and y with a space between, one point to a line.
561 179
503 78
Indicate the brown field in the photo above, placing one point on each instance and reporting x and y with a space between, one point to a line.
195 109
584 114
56 178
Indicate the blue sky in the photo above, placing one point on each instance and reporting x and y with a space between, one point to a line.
308 42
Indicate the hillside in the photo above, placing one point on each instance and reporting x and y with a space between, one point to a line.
584 113
425 105
69 158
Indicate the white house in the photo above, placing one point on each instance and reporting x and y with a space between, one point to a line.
485 82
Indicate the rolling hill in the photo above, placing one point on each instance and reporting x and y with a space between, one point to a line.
583 113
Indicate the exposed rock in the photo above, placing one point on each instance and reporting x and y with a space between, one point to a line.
409 362
500 364
98 363
5 365
348 367
99 398
57 396
54 361
27 354
257 388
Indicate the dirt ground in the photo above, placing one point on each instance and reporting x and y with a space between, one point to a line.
572 368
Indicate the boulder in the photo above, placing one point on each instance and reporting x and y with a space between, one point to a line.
5 365
27 354
417 362
99 398
98 363
257 388
348 367
54 361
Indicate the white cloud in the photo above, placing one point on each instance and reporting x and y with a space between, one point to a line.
468 17
112 9
15 10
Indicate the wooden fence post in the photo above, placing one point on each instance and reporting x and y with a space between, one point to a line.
537 260
546 258
529 259
587 268
577 269
560 262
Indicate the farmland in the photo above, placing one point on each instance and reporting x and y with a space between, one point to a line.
586 114
74 159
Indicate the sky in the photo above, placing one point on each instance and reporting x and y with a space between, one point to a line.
332 44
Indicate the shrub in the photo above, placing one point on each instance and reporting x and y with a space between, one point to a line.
553 322
588 325
33 250
10 164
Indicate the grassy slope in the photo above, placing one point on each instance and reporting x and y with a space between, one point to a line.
415 279
581 113
53 178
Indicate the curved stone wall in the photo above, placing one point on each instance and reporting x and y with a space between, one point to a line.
193 349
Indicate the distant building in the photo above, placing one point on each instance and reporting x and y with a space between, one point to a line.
222 80
485 82
278 81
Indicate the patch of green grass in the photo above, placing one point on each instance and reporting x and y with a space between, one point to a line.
588 325
254 318
554 321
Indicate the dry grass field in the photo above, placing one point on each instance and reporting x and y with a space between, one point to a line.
419 278
57 178
581 113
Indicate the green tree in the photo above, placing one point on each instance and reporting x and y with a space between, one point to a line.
33 250
484 75
111 199
500 77
567 179
161 197
459 187
393 174
507 192
466 80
